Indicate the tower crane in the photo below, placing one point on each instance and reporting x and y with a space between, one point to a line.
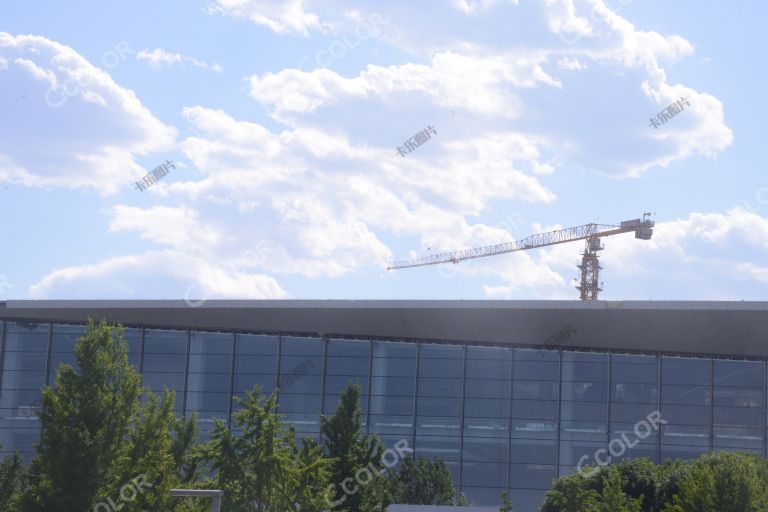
589 285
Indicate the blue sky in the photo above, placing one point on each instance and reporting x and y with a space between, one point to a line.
283 120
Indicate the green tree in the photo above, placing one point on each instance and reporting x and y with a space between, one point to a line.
148 463
573 493
417 481
424 482
84 423
11 473
613 498
723 482
261 468
350 449
506 503
98 443
187 455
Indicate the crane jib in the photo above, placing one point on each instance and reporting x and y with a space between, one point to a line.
641 227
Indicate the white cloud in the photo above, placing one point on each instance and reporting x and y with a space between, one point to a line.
94 128
157 272
158 58
753 271
281 16
473 83
177 227
571 64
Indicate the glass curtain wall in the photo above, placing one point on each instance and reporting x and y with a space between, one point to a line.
501 418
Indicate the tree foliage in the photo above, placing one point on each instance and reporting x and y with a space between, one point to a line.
348 447
722 482
260 467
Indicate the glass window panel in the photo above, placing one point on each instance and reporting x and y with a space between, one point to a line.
398 350
571 452
213 382
485 449
537 390
634 392
534 429
692 435
679 394
256 364
631 413
393 386
307 403
392 425
443 447
165 342
297 347
24 362
347 366
246 381
301 384
158 381
432 387
301 365
739 373
533 451
216 404
394 405
431 406
485 408
256 345
485 388
335 385
536 370
739 397
26 337
65 337
686 415
531 476
484 474
681 370
585 391
738 437
489 363
633 369
485 427
738 416
164 363
208 343
534 409
584 411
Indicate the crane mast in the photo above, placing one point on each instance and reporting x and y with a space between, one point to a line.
589 285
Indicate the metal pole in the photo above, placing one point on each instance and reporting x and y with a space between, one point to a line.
215 494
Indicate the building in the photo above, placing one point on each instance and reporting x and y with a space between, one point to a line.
510 393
